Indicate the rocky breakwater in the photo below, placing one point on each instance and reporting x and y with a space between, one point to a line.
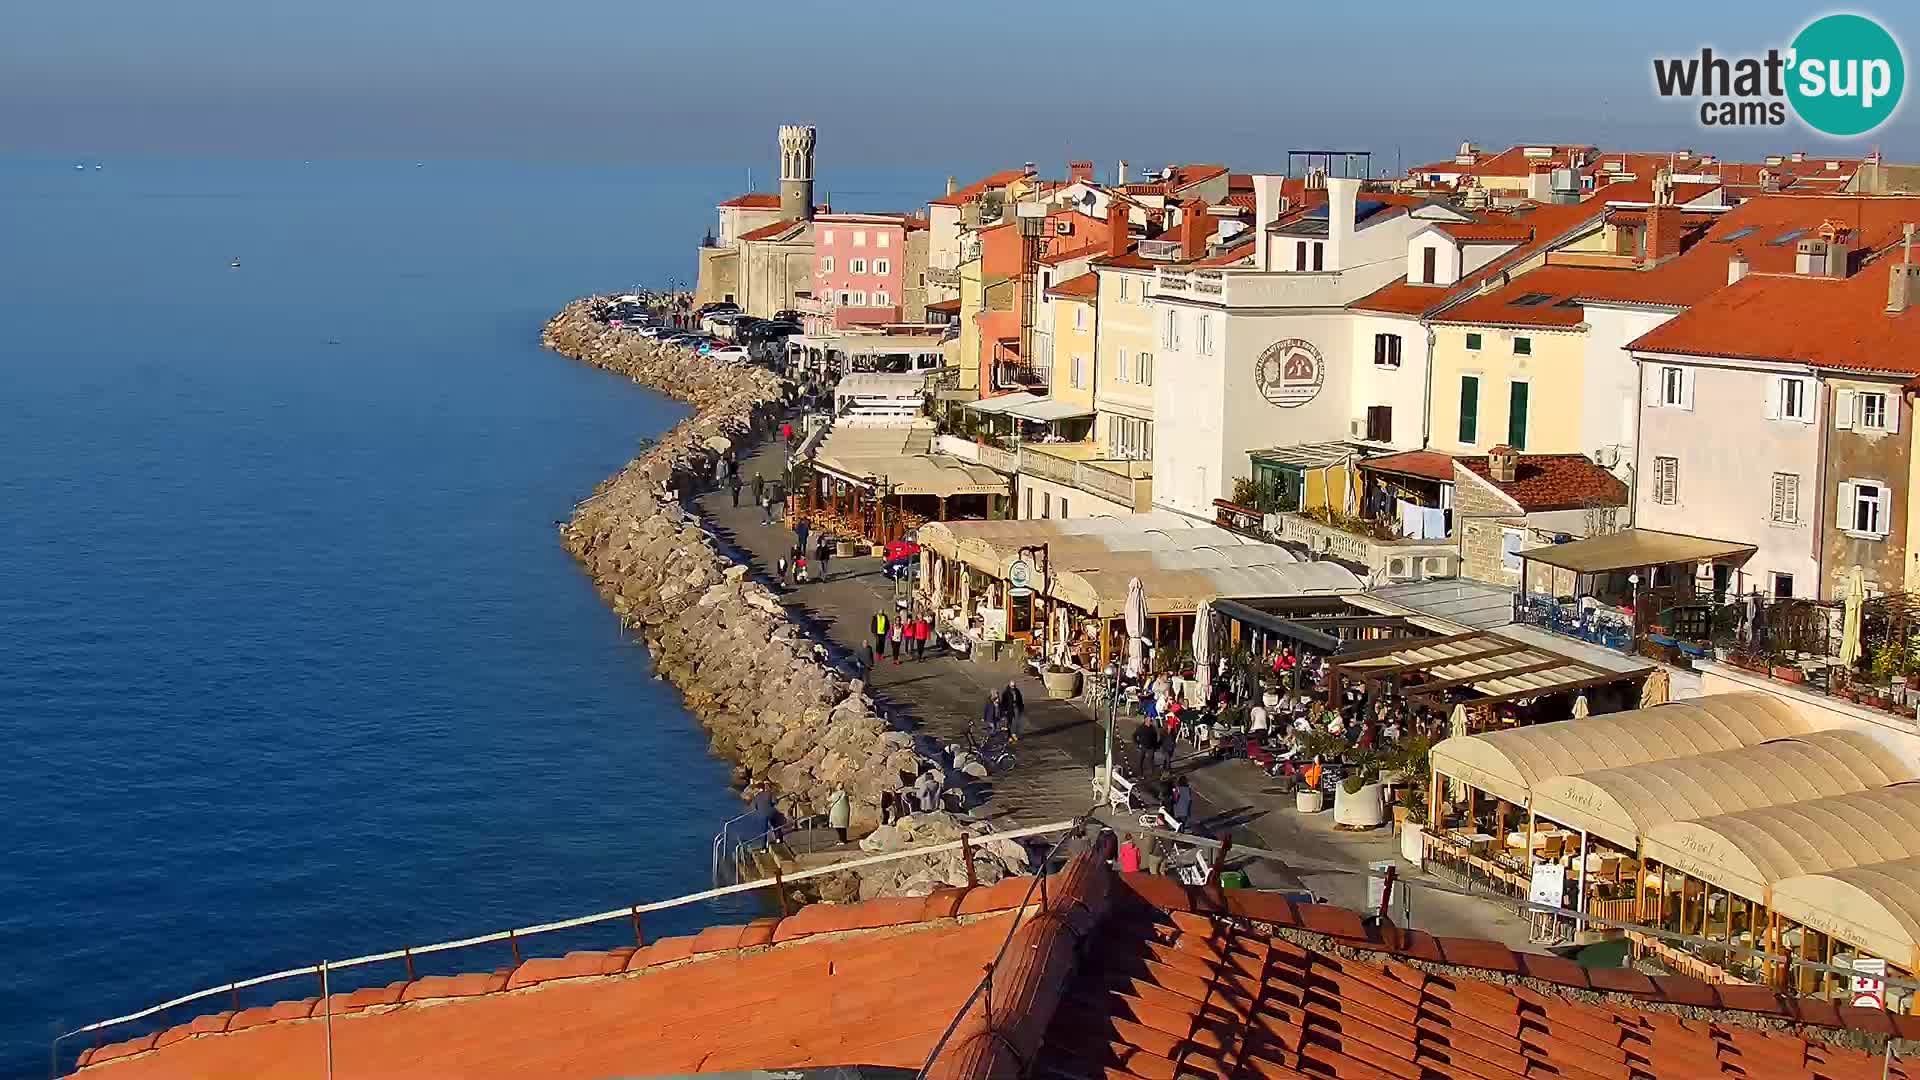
762 688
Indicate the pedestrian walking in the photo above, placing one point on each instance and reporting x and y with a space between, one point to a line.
786 571
839 811
922 631
800 530
887 806
895 634
825 552
759 489
1129 856
990 715
1146 740
879 630
1013 709
733 485
1180 802
928 790
766 510
786 432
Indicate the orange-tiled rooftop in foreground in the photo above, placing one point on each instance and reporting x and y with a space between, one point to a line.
1114 976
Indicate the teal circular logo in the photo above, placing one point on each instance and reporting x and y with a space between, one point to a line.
1847 75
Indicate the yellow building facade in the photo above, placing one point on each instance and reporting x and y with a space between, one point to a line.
1075 337
1123 382
1495 385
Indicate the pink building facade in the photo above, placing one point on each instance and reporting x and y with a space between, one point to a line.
859 270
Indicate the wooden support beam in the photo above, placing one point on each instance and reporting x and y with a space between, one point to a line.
1468 680
1370 673
1419 643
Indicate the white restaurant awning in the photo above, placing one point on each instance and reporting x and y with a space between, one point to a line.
1004 403
1048 410
1748 852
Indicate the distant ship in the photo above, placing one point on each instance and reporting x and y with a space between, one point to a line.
235 263
99 167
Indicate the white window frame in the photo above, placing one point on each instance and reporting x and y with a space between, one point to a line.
1675 387
1123 285
857 266
883 238
882 266
859 298
1790 398
859 238
846 298
1783 499
826 236
1388 358
1122 368
1204 333
826 264
1143 368
1078 367
881 299
1171 337
1773 583
1853 409
1666 488
1079 316
1857 494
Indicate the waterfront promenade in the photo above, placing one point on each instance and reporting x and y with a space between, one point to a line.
1052 776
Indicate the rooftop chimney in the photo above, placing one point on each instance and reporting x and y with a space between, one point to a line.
1268 205
1799 156
953 185
1343 196
1029 168
1116 227
1540 182
1903 287
1502 463
1196 226
1120 174
1080 172
1663 232
1737 267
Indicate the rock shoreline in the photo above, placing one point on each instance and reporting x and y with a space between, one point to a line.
752 676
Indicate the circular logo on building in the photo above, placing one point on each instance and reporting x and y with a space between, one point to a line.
1290 373
1019 578
1847 75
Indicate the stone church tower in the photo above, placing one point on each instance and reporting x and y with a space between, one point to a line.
796 172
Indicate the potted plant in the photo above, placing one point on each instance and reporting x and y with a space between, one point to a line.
1913 663
1889 661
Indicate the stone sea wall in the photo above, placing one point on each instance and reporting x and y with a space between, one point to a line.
749 673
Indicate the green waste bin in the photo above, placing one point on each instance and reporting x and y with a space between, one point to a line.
1233 879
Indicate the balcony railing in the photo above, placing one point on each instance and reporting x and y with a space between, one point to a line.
1084 475
1159 249
943 276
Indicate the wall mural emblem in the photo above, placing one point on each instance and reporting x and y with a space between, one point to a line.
1290 373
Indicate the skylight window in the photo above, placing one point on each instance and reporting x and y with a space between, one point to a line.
1788 237
1532 299
1567 302
1737 234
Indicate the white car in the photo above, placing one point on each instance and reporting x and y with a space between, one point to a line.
735 353
712 323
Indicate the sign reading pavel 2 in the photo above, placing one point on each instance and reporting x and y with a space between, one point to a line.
1290 373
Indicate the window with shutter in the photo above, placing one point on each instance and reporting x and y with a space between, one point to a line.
1300 255
1380 423
1428 257
1785 501
1673 387
1666 480
1870 412
1517 416
1469 409
1319 255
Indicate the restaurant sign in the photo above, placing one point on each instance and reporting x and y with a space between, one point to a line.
1290 373
1020 578
1868 987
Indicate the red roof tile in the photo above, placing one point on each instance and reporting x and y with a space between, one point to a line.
755 200
1080 287
1428 464
771 231
986 183
1832 323
1545 482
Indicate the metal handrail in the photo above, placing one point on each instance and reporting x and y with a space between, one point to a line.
633 911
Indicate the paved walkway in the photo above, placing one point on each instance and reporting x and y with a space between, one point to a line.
1052 777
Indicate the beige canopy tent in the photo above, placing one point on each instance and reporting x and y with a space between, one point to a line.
1632 548
1875 908
1507 764
1104 592
903 457
1492 665
1750 851
1621 804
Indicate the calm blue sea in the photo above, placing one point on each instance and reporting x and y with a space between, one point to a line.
292 666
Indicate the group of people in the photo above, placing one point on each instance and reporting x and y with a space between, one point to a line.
924 796
1005 709
898 631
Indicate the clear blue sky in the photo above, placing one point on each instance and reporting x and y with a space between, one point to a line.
955 85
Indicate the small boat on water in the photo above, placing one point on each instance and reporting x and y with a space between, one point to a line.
235 263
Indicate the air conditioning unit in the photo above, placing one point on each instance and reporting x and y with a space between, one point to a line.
1439 566
1357 427
1607 457
1403 568
1063 228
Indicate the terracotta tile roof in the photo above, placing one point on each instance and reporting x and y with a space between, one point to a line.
1241 200
1185 176
1242 249
1082 287
1549 223
1543 482
1485 232
986 183
1838 323
772 231
944 305
1512 161
755 200
1121 975
1429 464
1080 252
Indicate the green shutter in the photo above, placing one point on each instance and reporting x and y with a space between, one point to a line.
1523 346
1469 409
1473 341
1517 417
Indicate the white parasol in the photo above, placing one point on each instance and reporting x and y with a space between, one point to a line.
1136 626
1581 710
1850 625
1457 727
1203 650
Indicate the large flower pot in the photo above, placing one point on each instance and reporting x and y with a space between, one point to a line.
1309 801
847 549
1364 809
1061 684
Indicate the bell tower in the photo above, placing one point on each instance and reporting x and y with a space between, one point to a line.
796 172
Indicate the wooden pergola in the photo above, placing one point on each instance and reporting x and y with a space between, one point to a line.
1494 667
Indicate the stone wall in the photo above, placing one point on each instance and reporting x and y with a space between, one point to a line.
768 699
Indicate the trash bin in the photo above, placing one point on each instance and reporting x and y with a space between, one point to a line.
1233 879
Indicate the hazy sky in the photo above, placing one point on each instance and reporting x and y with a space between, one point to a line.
959 85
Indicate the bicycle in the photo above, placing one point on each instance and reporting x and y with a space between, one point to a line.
993 747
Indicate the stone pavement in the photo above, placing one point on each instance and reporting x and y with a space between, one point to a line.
1052 776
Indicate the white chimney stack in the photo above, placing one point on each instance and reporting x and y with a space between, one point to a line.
1120 175
1737 267
1267 202
1343 195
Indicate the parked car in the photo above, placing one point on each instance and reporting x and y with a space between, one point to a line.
735 353
655 330
716 307
788 315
